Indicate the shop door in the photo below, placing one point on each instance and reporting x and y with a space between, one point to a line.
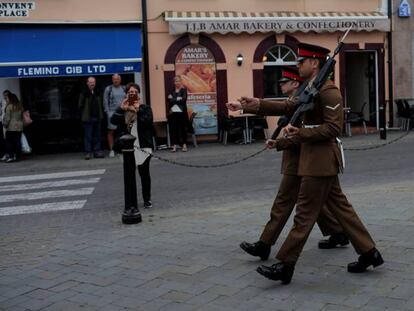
361 86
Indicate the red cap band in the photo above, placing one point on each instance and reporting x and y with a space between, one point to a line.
311 54
291 76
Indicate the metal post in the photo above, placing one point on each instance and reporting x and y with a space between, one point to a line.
145 55
131 214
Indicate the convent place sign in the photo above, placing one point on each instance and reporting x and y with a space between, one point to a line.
16 9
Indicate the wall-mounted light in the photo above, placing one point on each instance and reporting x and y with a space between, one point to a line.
239 59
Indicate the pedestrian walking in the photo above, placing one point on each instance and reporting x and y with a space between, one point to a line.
177 115
13 123
3 104
114 94
90 105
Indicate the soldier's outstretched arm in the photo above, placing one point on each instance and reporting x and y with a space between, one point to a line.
268 107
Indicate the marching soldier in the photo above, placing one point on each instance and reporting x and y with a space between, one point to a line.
289 187
319 164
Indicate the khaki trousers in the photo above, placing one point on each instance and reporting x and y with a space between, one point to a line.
314 192
282 207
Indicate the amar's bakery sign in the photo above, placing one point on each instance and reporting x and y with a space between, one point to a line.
234 22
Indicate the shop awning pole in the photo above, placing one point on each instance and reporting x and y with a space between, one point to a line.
145 52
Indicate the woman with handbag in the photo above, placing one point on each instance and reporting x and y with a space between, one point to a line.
13 123
3 104
135 118
177 114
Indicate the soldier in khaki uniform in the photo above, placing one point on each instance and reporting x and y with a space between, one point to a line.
319 164
289 187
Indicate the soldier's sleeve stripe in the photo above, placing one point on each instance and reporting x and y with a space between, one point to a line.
333 108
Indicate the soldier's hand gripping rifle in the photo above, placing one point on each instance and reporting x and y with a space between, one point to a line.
284 120
308 94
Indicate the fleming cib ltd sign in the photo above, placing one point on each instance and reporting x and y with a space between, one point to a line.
16 9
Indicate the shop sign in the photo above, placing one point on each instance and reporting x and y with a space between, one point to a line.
16 9
197 68
67 70
278 26
404 10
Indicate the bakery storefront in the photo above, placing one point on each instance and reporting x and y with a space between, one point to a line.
224 55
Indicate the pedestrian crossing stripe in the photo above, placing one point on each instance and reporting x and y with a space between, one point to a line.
20 195
49 184
51 176
40 208
45 195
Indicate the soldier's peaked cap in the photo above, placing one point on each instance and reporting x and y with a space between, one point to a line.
306 50
290 73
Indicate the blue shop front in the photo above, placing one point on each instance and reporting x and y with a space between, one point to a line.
47 67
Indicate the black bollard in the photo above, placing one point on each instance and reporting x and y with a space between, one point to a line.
131 214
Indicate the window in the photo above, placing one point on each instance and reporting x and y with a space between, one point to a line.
274 59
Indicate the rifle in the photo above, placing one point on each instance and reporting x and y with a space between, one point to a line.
284 120
311 91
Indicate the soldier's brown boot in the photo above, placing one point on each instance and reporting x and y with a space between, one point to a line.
259 249
370 258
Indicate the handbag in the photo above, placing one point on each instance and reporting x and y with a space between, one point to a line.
25 144
27 120
176 108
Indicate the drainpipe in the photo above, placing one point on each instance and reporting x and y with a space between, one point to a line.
145 61
385 7
390 69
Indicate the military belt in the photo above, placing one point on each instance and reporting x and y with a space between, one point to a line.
310 126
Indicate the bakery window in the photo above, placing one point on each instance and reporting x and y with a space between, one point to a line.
274 59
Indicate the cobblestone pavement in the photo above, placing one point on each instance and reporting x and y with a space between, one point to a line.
185 253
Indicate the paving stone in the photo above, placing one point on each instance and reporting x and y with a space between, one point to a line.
386 302
65 305
11 302
155 304
14 308
62 295
35 304
177 296
333 307
128 302
86 288
39 294
174 306
17 291
202 299
64 286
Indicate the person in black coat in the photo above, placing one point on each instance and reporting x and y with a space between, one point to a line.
177 115
135 118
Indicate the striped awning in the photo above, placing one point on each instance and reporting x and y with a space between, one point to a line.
279 22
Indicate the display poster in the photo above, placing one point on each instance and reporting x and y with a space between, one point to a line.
197 68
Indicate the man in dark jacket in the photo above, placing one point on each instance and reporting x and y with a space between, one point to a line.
91 108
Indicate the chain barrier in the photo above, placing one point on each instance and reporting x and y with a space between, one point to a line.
173 162
379 145
205 166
